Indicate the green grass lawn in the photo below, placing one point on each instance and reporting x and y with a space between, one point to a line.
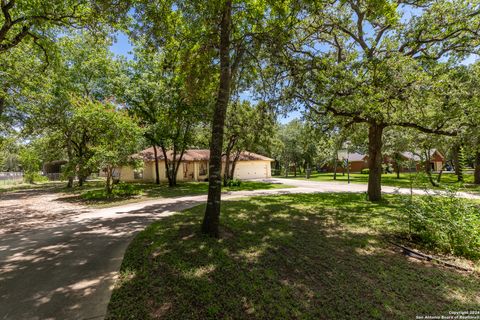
317 256
93 193
406 179
22 186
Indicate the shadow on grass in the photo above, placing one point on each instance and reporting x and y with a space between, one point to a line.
294 256
94 194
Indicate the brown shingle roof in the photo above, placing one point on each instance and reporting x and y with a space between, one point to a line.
194 155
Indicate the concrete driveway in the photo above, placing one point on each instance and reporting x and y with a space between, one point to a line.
65 268
333 186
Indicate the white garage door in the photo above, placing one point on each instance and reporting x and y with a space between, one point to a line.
251 169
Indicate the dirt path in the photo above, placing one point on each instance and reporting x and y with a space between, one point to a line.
26 209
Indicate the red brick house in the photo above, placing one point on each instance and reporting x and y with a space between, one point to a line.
437 160
359 161
356 160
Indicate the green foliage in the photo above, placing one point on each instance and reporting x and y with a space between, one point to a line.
365 171
445 223
30 162
115 136
9 157
234 183
121 190
297 145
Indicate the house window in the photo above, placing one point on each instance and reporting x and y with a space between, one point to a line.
203 169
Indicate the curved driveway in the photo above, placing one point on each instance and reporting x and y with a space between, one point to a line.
66 270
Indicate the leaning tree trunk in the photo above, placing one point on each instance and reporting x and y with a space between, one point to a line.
234 164
476 178
157 171
375 132
167 165
211 220
176 166
439 177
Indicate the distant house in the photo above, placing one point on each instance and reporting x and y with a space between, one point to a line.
194 166
53 169
437 160
359 161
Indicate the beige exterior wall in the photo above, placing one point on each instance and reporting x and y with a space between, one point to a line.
185 171
149 171
253 169
198 171
126 174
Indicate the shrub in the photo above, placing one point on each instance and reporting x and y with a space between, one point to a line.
32 177
126 189
234 183
120 190
446 223
365 171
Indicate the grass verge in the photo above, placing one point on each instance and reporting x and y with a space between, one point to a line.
317 256
93 193
417 180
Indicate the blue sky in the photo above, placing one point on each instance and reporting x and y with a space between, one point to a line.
122 46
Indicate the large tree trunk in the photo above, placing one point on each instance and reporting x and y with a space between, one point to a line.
157 171
211 219
476 178
375 132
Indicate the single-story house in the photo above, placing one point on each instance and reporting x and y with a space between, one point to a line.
53 169
194 166
357 162
437 160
